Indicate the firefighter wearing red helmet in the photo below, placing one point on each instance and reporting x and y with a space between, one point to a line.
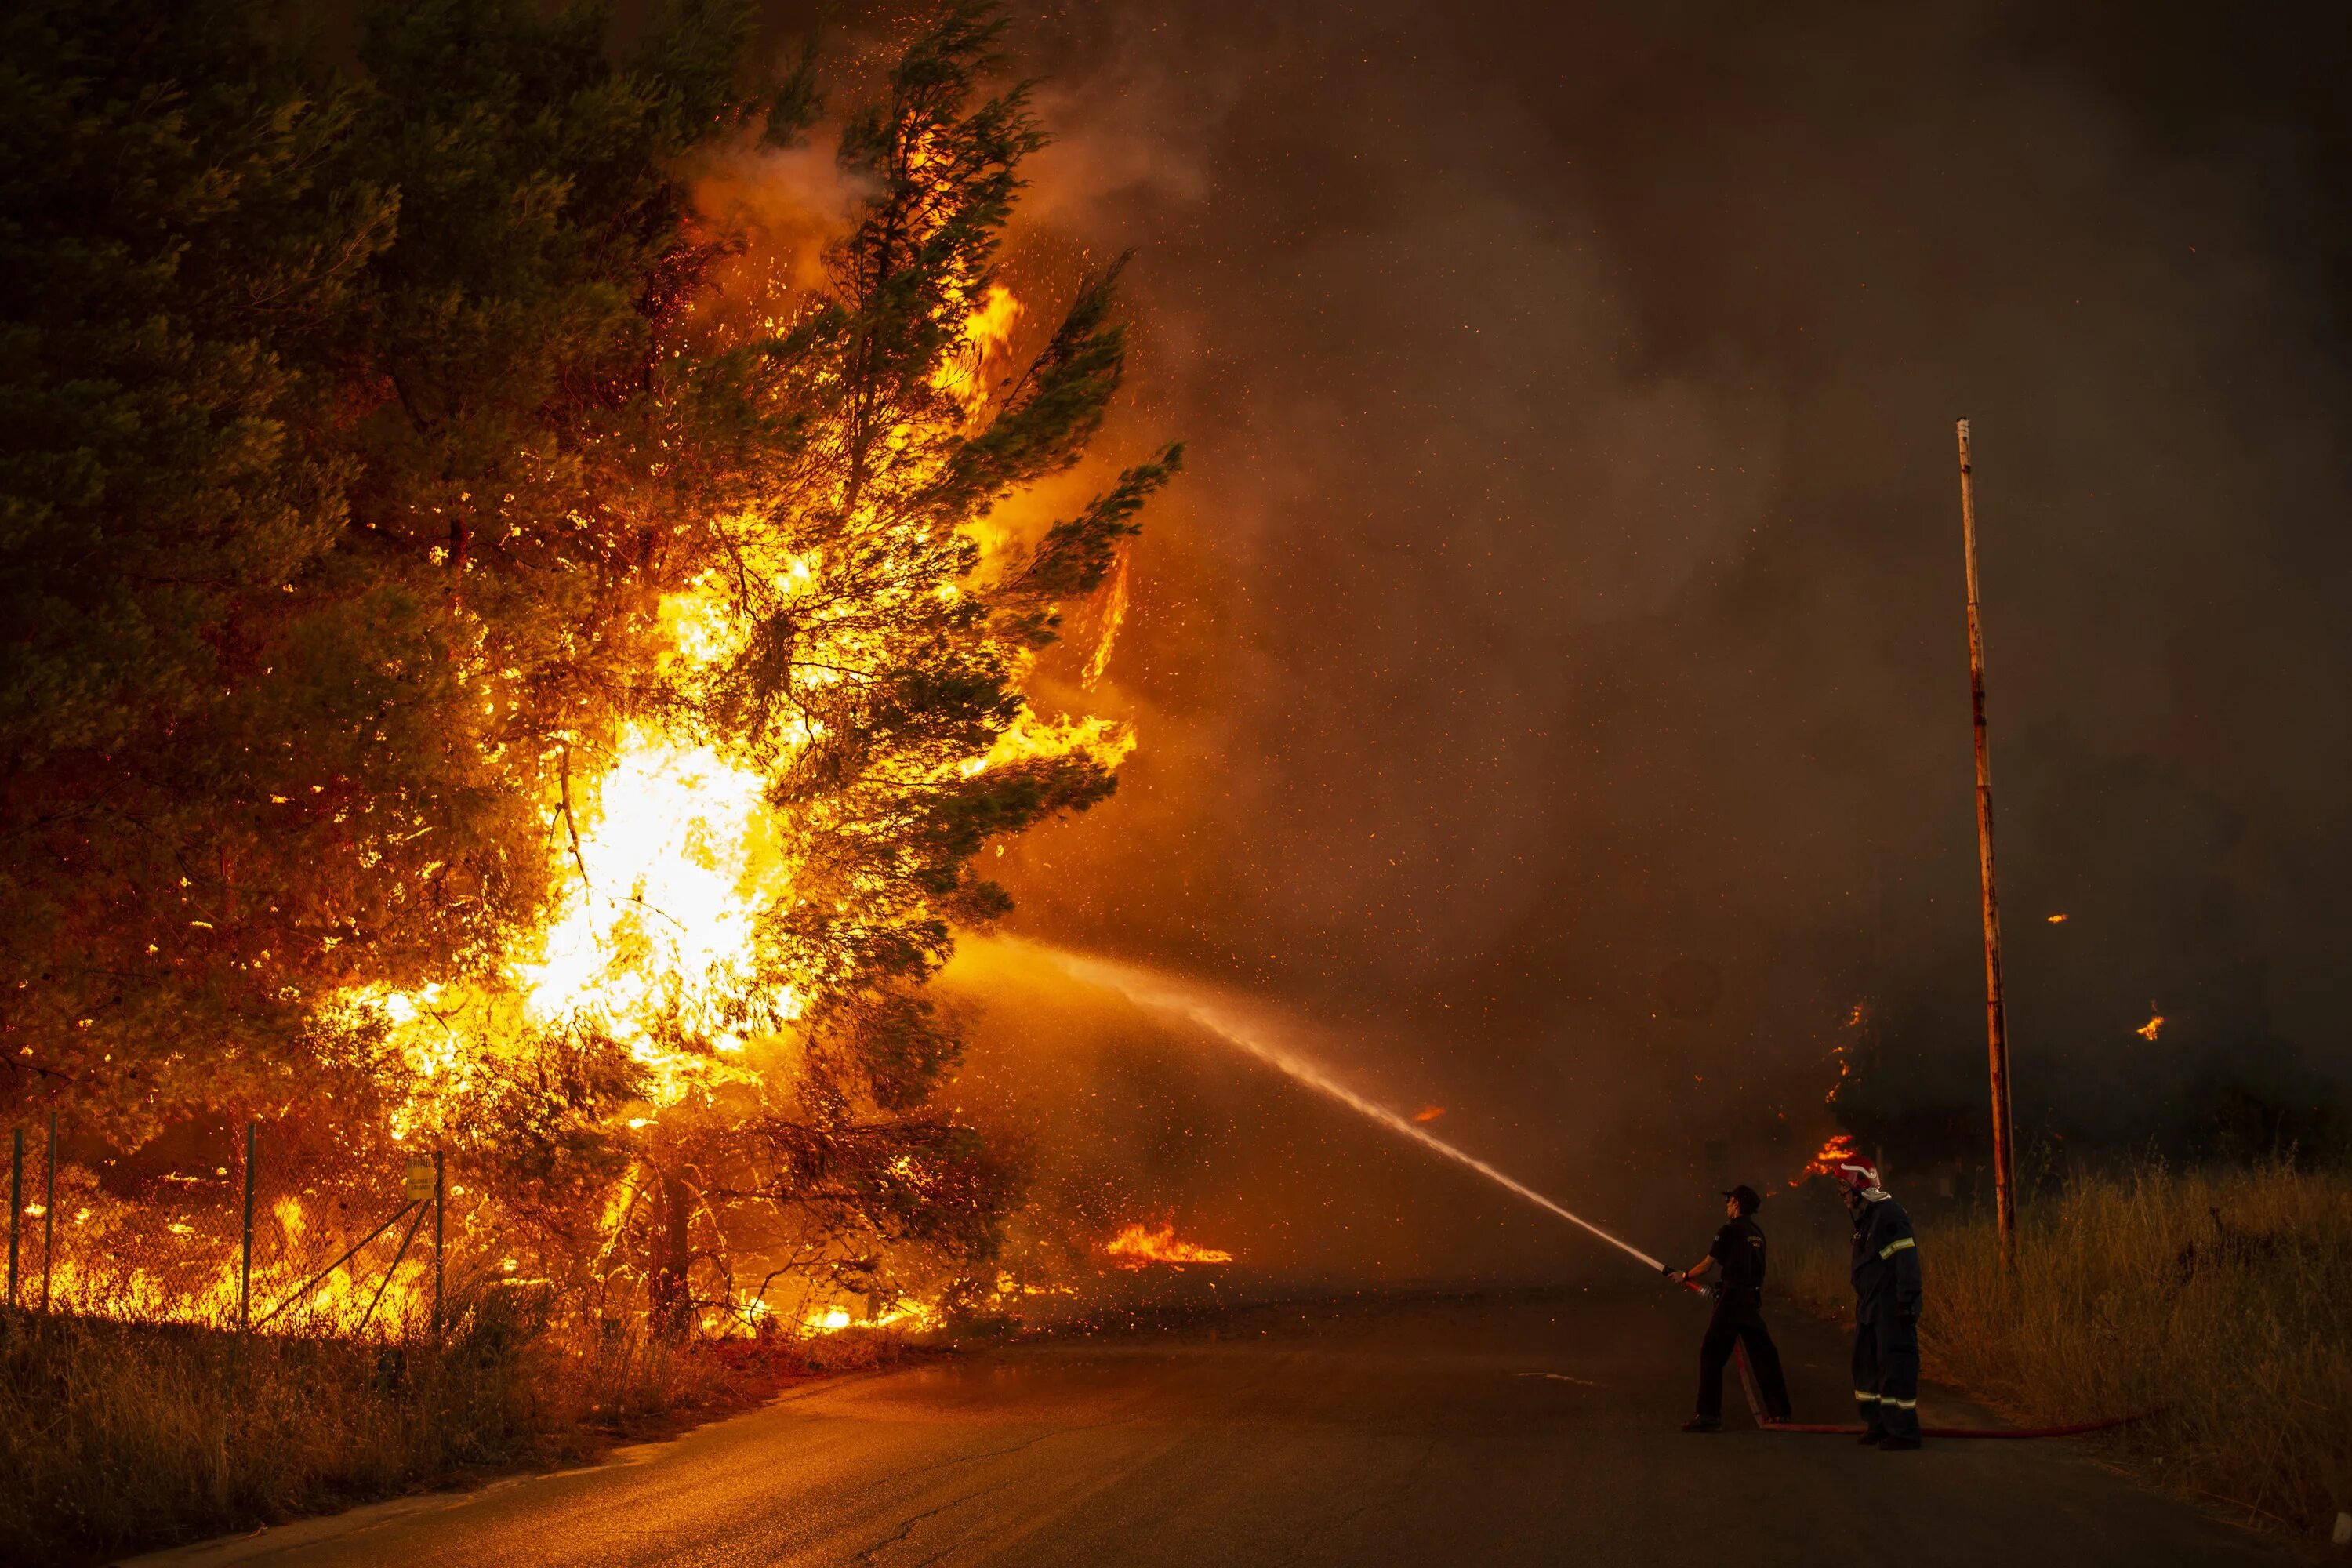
1886 1299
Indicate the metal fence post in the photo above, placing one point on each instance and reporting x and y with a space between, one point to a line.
15 1205
245 1255
439 1196
49 1215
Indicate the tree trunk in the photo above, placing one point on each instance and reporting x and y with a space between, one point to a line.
673 1302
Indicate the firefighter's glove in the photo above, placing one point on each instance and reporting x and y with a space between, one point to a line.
1670 1271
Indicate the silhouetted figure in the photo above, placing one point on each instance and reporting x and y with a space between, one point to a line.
1737 1252
1887 1291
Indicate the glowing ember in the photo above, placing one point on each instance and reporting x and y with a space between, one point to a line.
1428 1113
2153 1028
1845 1068
1825 1163
2056 919
1136 1247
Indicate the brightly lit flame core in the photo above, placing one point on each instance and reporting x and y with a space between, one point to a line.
905 1315
672 869
664 851
664 859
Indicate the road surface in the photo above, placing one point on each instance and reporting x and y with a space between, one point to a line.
1488 1431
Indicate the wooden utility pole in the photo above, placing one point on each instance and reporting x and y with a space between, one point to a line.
2004 1140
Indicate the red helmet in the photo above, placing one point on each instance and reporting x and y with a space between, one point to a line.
1856 1173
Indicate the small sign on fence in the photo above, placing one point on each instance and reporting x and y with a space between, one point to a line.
417 1179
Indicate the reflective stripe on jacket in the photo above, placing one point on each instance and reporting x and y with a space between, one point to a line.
1886 1263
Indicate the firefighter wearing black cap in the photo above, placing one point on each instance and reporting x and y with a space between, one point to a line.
1739 1251
1886 1299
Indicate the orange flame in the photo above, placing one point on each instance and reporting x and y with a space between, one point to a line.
1135 1246
1428 1113
1114 617
2150 1030
1834 1153
2056 919
987 333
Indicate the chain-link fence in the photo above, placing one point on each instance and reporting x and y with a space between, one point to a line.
265 1227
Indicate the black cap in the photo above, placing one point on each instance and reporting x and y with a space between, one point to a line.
1745 1196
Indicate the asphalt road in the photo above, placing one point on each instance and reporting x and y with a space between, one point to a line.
1497 1431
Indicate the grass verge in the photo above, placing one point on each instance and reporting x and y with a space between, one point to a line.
2222 1298
119 1437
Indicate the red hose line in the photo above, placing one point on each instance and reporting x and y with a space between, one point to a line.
1824 1429
2076 1430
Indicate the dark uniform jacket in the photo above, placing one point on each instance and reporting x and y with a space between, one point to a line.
1738 1252
1886 1263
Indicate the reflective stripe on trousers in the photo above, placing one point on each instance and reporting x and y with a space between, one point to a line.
1886 1374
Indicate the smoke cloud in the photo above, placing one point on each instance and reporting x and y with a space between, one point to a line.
1549 671
1554 654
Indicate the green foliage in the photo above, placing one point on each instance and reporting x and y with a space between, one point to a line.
326 501
1076 556
180 248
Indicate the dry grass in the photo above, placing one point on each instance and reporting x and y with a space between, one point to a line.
116 1438
2223 1299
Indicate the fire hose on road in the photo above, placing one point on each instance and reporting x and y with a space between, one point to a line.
1832 1429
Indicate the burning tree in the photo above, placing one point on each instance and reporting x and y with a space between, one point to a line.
564 728
874 676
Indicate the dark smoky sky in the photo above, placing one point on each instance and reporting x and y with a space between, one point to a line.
1552 660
